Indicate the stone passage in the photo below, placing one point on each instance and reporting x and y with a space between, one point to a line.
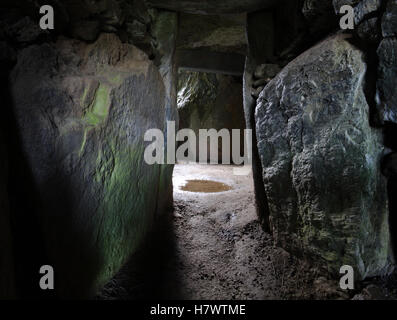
77 194
210 101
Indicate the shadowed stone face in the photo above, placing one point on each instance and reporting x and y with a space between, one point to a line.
387 82
387 53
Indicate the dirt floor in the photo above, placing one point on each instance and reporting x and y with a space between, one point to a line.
222 250
213 247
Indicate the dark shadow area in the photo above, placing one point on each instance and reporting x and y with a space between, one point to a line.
150 273
260 192
389 169
392 191
77 259
371 75
389 135
261 50
39 212
28 244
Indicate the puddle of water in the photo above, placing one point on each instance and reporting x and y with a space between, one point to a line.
205 186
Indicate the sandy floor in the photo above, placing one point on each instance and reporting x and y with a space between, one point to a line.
222 251
213 247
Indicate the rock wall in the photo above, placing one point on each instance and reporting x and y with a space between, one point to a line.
210 101
323 136
82 119
92 87
220 33
165 30
321 160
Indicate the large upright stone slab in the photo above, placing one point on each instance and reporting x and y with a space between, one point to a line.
165 30
321 159
82 119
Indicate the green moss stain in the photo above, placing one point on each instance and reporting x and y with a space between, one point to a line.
83 143
99 108
128 190
97 111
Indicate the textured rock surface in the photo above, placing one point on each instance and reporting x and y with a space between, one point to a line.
165 29
389 21
364 8
387 68
321 160
82 119
209 101
24 31
387 80
216 33
368 30
367 14
131 20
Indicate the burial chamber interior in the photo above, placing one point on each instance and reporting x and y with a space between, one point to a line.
77 194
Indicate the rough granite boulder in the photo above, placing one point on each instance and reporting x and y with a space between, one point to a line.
321 160
82 118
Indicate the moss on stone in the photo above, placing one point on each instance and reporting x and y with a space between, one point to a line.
124 203
97 111
99 108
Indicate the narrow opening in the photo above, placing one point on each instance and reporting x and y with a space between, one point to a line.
215 215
